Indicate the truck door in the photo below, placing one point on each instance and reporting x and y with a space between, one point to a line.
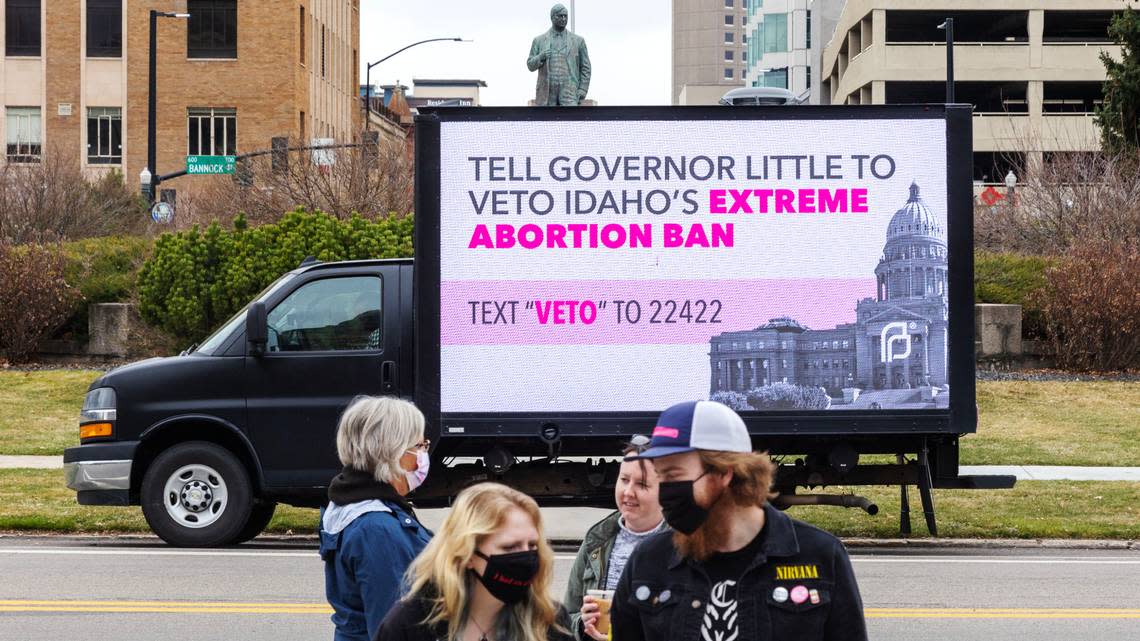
334 337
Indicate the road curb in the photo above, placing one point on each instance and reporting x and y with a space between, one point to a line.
305 540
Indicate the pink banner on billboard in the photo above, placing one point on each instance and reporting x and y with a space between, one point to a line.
638 312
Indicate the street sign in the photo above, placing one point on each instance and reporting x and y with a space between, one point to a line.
210 164
162 212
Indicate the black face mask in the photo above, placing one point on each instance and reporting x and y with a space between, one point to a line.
680 507
508 576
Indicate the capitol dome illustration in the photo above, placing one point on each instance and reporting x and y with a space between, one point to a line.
894 354
913 264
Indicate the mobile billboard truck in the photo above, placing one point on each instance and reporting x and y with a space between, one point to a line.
576 271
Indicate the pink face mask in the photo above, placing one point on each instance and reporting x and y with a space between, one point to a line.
417 476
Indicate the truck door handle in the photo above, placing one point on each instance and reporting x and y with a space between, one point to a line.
388 376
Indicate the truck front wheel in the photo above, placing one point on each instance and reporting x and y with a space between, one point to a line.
197 494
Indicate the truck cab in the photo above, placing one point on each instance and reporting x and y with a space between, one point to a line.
209 441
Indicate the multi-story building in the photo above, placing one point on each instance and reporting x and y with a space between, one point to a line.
709 46
74 78
1031 68
785 38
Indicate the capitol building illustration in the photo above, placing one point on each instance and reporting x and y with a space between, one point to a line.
894 356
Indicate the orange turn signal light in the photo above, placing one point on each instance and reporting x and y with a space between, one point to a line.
93 430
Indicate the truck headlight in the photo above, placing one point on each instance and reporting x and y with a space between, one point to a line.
95 419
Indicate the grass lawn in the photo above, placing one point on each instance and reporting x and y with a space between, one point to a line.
1055 423
1038 423
38 500
41 410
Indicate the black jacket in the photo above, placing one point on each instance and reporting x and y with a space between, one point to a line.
662 597
405 622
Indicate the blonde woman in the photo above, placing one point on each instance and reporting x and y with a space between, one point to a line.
369 532
484 577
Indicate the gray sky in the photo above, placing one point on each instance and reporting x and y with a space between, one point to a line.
628 41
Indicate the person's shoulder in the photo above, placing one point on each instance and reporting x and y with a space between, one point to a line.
405 619
655 545
814 539
606 528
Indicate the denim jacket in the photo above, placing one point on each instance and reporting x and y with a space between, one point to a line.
662 596
365 564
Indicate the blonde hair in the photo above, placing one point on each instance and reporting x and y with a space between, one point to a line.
440 574
375 431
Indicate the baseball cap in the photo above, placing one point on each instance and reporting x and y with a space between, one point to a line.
697 425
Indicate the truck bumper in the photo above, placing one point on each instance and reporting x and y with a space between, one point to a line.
100 473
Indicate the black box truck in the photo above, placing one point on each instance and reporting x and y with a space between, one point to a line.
576 271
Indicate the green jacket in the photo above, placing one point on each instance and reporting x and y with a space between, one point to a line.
590 568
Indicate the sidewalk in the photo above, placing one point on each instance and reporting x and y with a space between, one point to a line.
1022 472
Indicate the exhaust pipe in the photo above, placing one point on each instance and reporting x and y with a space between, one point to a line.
784 501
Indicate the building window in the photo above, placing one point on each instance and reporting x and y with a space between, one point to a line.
728 4
104 28
728 55
22 27
212 29
212 132
24 137
322 51
728 37
302 49
728 21
807 77
104 136
807 30
728 74
776 33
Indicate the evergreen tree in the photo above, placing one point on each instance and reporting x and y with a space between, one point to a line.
1119 116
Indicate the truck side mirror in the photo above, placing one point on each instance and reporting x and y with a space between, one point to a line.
256 328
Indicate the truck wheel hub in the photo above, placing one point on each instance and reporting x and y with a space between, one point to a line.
196 495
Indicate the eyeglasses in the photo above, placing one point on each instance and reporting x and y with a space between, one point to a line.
424 445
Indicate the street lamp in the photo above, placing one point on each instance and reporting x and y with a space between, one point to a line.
145 178
1010 184
368 72
152 100
948 26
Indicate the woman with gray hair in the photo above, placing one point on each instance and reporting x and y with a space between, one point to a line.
369 531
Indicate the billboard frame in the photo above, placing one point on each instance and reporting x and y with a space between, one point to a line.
959 418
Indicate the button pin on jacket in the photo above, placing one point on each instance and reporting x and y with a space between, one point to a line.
780 594
664 596
696 604
642 593
799 594
814 595
407 521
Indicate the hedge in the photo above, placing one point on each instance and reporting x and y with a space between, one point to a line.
1013 279
104 270
196 279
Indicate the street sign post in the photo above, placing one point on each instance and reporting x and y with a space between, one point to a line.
210 164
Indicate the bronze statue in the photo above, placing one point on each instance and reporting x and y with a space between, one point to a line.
562 63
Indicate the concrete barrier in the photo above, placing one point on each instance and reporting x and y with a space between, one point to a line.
109 328
997 330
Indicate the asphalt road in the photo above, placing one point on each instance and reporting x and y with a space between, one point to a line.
98 590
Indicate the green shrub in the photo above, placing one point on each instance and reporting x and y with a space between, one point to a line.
103 270
196 279
735 400
1013 279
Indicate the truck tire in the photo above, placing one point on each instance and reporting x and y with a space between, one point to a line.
197 494
259 517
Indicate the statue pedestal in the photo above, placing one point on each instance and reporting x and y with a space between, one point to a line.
851 394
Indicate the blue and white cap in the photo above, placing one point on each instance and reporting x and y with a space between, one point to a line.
697 425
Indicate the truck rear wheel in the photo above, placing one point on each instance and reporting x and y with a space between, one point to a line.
197 494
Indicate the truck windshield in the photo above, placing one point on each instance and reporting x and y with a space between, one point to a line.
214 343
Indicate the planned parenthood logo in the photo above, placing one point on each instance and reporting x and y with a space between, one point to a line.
892 333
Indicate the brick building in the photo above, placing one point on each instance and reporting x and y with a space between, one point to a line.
74 78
